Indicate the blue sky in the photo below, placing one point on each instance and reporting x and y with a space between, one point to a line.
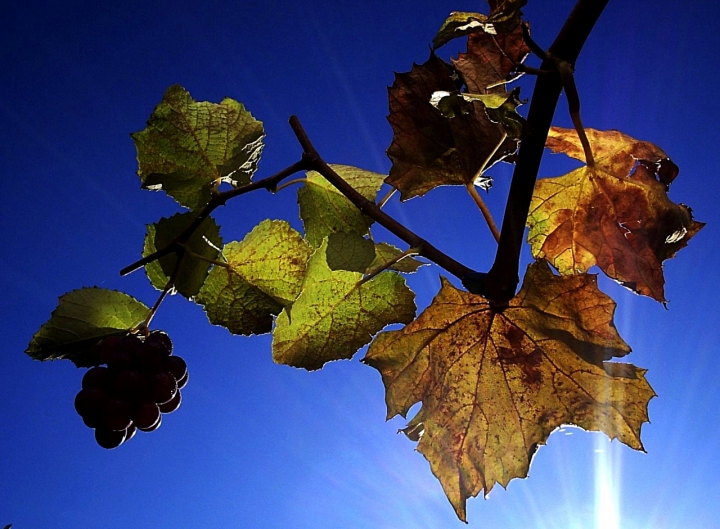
265 446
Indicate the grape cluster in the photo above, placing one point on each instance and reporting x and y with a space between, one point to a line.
136 381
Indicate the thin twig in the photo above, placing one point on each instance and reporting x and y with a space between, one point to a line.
270 183
215 262
484 210
290 182
568 80
170 284
387 197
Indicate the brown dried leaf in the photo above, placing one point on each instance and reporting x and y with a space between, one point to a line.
429 149
494 384
616 215
490 59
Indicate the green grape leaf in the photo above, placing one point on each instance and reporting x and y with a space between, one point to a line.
264 273
325 210
188 147
490 61
429 149
336 314
461 23
82 319
205 242
384 253
351 252
495 383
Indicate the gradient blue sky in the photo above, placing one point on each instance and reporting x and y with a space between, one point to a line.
256 445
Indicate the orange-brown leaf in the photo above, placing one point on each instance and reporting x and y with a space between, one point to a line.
495 383
430 149
616 215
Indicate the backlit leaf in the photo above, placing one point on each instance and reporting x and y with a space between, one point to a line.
190 147
495 383
82 319
336 314
325 210
461 23
505 15
205 241
490 59
264 273
346 251
616 215
384 253
429 149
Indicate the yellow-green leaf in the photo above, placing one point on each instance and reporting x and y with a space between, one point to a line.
325 210
264 273
336 314
190 147
204 242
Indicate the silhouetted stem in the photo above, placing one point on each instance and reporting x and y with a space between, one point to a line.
372 210
502 280
484 210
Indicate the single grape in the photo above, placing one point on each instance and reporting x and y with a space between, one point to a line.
177 366
109 438
107 346
182 382
120 360
163 387
160 338
171 405
129 384
116 414
151 357
145 414
90 402
130 343
97 377
130 432
153 427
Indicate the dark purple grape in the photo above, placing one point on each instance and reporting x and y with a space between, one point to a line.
107 346
130 385
153 427
130 432
171 405
182 382
90 402
93 420
120 360
97 377
116 414
162 387
151 358
145 414
177 366
130 343
109 438
160 338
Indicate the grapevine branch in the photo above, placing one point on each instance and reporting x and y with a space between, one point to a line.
501 281
372 210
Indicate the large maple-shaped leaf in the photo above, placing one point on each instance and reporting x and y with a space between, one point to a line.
495 383
324 210
490 59
264 273
430 149
189 147
82 319
203 245
616 215
336 313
